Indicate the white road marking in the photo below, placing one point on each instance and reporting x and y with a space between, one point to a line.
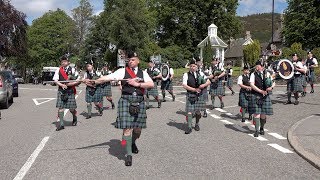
280 148
220 110
181 101
229 114
215 116
38 89
226 122
25 168
230 106
35 100
208 112
247 122
276 135
259 138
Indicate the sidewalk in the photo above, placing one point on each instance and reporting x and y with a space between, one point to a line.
304 137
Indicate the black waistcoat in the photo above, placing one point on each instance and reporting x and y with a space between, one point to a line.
69 73
192 81
310 63
128 89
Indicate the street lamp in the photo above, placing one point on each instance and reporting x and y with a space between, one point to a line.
272 21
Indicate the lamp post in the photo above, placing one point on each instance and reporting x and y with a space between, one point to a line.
272 21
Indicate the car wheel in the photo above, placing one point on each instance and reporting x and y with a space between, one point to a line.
11 99
5 104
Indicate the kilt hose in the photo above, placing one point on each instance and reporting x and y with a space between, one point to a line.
198 105
166 85
312 78
153 91
217 88
69 104
96 97
244 97
264 108
295 84
106 90
124 119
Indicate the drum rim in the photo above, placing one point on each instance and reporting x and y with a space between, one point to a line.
292 67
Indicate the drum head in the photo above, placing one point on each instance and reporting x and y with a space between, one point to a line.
165 72
285 69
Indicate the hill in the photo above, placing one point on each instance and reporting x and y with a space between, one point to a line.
260 25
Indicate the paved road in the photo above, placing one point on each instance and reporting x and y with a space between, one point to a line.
222 148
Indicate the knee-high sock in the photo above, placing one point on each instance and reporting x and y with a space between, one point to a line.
263 122
212 99
157 98
296 96
135 136
163 94
171 92
189 116
89 107
128 140
257 121
220 97
147 101
289 96
311 86
243 113
198 116
61 115
74 113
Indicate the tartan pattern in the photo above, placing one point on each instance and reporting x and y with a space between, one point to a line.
166 85
220 90
295 84
153 91
70 104
124 119
243 102
197 106
304 80
265 108
106 90
312 77
229 82
205 94
97 97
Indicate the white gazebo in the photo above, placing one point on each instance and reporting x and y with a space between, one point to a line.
216 43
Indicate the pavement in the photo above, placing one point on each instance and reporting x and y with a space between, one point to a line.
224 148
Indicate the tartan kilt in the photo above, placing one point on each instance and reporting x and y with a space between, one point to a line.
243 101
106 90
205 94
166 85
70 104
219 90
229 82
153 91
312 77
97 97
124 119
265 108
295 84
199 105
304 80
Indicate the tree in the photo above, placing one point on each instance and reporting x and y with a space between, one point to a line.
82 16
50 37
251 52
207 53
12 31
302 23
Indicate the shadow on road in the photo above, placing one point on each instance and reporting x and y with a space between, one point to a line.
85 114
181 126
235 128
181 112
236 117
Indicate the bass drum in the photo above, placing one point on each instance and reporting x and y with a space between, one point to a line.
165 72
285 69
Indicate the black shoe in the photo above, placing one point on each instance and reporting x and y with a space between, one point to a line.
296 102
128 161
112 105
212 107
243 120
135 149
261 131
250 117
222 105
60 128
303 94
196 127
256 134
288 102
173 98
100 111
163 100
232 93
312 91
88 117
188 131
147 107
159 104
74 121
205 114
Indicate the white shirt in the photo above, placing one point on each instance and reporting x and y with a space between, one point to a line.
154 69
86 75
56 73
231 71
252 77
219 66
185 77
120 73
240 79
171 71
300 65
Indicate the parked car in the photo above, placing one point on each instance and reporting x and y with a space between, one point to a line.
8 76
19 79
6 95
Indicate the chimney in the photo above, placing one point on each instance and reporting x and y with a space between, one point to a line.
248 35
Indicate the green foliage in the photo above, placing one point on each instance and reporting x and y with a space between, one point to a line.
207 53
50 37
316 53
176 56
286 52
251 52
302 23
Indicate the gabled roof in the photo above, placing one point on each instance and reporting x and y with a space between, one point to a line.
236 48
215 42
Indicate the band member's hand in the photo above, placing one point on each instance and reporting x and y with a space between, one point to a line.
264 93
269 89
63 86
197 90
202 86
249 88
133 82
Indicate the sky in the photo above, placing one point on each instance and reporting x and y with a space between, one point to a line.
36 8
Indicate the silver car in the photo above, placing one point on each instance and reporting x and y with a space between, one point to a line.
6 95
